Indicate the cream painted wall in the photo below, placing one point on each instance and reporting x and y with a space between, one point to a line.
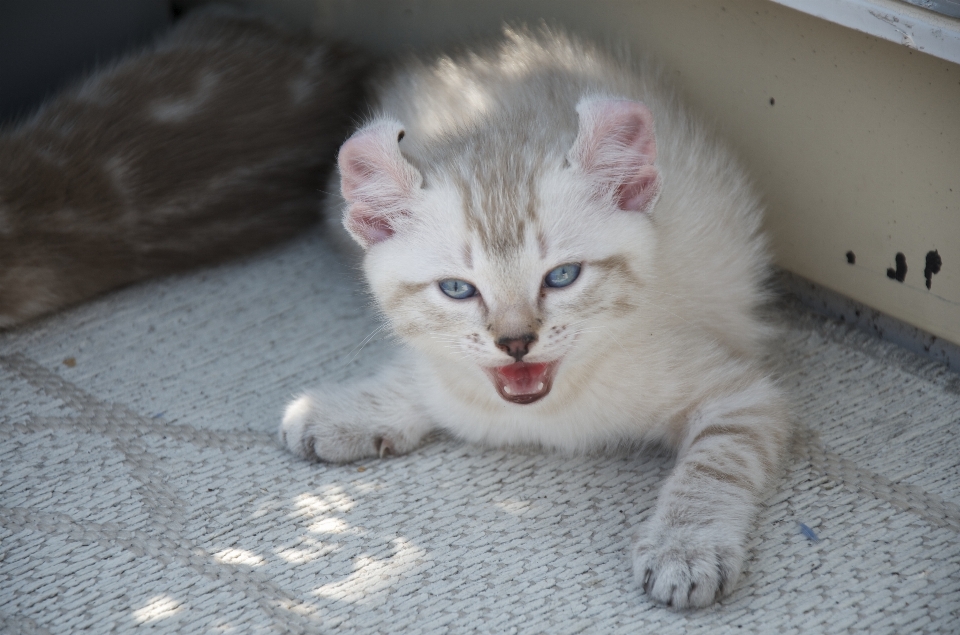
861 151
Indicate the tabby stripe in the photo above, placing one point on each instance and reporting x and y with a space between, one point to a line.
747 435
733 478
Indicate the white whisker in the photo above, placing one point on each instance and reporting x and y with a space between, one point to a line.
367 340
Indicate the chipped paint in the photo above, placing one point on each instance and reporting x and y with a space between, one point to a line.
905 37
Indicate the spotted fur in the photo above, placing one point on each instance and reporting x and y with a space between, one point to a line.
500 164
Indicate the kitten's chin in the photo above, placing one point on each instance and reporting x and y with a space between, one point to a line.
523 383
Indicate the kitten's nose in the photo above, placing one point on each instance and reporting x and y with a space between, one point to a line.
516 347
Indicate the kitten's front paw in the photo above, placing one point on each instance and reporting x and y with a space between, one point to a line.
310 432
686 567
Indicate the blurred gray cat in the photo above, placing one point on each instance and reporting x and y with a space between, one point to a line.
213 142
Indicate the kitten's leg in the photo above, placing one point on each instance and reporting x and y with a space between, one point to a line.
346 422
691 551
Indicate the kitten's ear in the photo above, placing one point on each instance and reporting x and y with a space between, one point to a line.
378 184
616 149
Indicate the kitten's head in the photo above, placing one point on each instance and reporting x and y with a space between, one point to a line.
504 256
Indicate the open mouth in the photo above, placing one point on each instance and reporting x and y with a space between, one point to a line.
523 383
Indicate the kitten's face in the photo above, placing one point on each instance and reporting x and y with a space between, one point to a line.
519 275
518 307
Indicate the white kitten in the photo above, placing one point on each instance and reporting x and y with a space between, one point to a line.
573 261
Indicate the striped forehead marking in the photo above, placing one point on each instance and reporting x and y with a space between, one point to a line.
498 207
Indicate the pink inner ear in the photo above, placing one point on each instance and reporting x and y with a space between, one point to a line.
377 182
361 162
354 172
372 228
639 193
616 146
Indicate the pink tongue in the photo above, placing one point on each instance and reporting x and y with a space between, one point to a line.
522 378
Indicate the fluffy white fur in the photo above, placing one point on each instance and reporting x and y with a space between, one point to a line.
535 152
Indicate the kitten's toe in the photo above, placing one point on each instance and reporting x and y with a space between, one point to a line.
685 569
295 428
384 446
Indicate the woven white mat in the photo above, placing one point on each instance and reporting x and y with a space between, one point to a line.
141 486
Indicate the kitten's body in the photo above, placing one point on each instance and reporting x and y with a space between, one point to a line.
513 161
211 143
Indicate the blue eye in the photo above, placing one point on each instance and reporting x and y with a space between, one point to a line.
458 289
562 275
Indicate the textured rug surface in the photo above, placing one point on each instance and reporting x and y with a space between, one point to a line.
141 486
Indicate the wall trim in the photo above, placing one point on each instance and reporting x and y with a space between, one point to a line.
839 307
915 28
